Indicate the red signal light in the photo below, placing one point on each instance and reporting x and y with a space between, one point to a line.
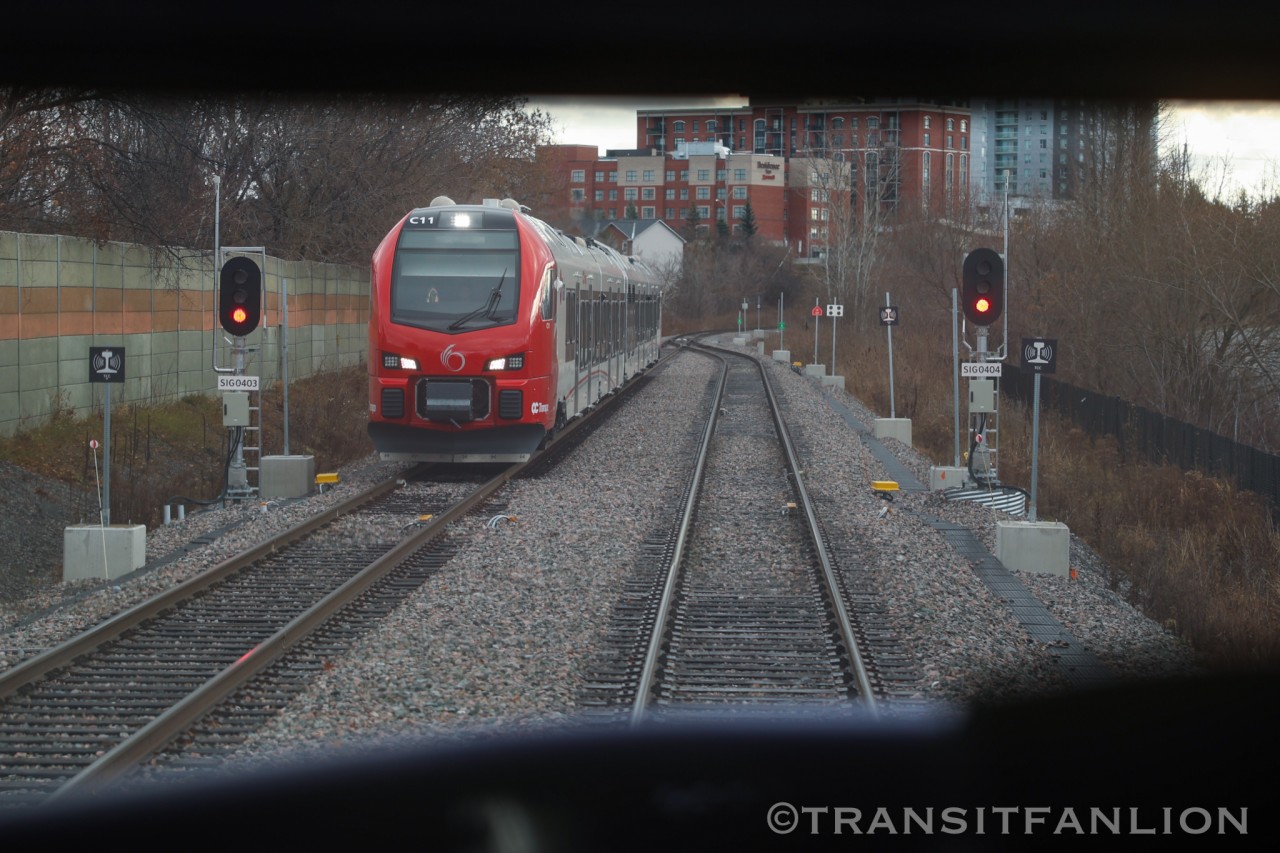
983 294
240 315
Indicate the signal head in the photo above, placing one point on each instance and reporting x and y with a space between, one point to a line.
240 296
983 291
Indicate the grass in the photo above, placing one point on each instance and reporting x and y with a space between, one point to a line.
166 450
1193 552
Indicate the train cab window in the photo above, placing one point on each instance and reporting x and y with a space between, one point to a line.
455 281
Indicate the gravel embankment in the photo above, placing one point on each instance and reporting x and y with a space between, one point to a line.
505 633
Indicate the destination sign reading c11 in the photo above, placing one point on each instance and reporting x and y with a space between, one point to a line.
237 383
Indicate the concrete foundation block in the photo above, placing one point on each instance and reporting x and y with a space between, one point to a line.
815 370
740 340
286 476
782 355
946 477
899 428
85 547
1034 546
834 381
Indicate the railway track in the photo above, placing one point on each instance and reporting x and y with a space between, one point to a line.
182 678
716 625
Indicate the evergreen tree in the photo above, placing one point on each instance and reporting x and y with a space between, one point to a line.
747 222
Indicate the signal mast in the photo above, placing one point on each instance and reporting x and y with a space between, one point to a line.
982 299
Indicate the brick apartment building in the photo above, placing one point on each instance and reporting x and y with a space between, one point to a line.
790 161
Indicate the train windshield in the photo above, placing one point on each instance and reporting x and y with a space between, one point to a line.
455 280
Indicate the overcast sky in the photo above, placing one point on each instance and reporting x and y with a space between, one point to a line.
1232 144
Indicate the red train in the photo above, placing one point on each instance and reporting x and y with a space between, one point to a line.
489 329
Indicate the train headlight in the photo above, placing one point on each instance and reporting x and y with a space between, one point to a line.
508 362
391 361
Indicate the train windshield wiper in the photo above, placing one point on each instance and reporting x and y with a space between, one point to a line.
488 308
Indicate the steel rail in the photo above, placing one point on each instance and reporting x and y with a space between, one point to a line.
856 662
650 667
155 735
844 624
164 728
35 668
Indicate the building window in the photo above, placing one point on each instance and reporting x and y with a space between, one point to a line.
648 194
578 176
704 211
669 213
678 127
599 195
670 195
631 176
647 213
695 125
926 139
647 176
927 120
720 175
679 142
739 192
629 193
599 177
577 195
613 195
704 174
711 125
739 211
739 174
684 175
613 177
964 126
704 192
684 193
671 175
873 123
951 124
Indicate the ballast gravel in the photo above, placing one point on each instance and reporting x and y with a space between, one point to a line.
505 633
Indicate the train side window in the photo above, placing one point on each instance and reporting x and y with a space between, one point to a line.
570 325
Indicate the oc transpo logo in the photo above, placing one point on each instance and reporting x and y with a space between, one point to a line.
451 360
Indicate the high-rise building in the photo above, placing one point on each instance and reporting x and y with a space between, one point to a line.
788 161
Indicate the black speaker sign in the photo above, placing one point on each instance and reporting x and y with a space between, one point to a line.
106 364
1039 355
